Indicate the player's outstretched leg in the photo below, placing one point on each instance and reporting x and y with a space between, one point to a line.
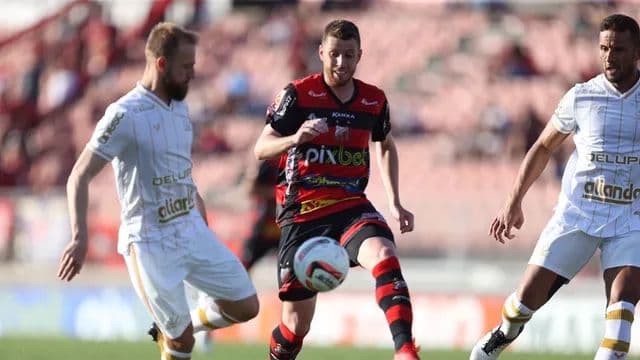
392 296
514 317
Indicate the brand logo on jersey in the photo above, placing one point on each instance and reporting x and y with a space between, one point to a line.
601 157
108 132
342 115
313 205
366 102
315 94
599 191
174 208
282 101
171 179
372 215
336 156
156 126
350 185
143 108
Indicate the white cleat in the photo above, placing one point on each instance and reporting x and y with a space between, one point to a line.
491 345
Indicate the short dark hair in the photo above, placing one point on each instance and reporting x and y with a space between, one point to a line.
621 23
341 29
165 37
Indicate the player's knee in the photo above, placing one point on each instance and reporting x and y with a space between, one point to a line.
242 310
386 252
250 309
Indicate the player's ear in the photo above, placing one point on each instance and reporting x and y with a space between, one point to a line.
161 64
359 56
320 51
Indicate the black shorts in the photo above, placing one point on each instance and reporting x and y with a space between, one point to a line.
351 227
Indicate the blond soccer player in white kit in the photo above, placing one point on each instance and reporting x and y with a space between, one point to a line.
598 207
164 238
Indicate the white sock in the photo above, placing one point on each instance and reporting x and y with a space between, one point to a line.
170 354
207 316
514 315
617 332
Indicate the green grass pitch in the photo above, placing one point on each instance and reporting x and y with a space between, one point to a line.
59 349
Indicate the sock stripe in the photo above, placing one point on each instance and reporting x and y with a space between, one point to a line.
289 335
386 265
622 314
175 355
615 345
399 312
519 318
202 315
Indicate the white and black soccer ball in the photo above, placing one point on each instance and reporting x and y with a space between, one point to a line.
321 264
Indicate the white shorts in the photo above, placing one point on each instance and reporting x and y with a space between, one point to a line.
565 250
160 268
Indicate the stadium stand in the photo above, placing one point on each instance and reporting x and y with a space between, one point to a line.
469 86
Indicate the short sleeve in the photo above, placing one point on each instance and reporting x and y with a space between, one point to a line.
283 114
382 127
563 118
112 134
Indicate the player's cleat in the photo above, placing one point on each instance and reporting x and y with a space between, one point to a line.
408 351
157 336
491 345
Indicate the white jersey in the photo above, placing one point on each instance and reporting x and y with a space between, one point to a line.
149 145
601 182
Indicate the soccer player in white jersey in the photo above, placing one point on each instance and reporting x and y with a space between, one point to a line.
164 238
598 206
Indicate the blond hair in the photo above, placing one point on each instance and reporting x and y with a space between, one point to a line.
164 39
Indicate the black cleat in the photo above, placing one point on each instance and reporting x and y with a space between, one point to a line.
491 345
154 332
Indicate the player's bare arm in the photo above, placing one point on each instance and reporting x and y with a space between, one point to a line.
201 207
271 144
86 168
532 166
387 156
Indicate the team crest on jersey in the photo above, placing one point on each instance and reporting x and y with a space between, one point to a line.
366 102
342 132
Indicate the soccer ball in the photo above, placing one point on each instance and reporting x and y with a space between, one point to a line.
321 264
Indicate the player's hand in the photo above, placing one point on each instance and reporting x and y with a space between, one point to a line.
311 129
404 217
72 259
509 217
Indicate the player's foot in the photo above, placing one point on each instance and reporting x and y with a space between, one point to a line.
157 336
491 345
408 351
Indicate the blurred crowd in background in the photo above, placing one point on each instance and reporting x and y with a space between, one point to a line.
471 85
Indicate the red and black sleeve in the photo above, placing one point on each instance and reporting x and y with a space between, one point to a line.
283 114
382 127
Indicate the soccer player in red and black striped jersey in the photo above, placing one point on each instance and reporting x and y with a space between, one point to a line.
320 127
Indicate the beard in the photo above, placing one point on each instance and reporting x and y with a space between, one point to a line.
175 90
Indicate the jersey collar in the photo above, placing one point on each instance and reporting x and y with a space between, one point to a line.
148 93
337 99
615 91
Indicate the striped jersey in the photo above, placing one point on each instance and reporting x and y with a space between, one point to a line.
149 146
329 173
601 182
